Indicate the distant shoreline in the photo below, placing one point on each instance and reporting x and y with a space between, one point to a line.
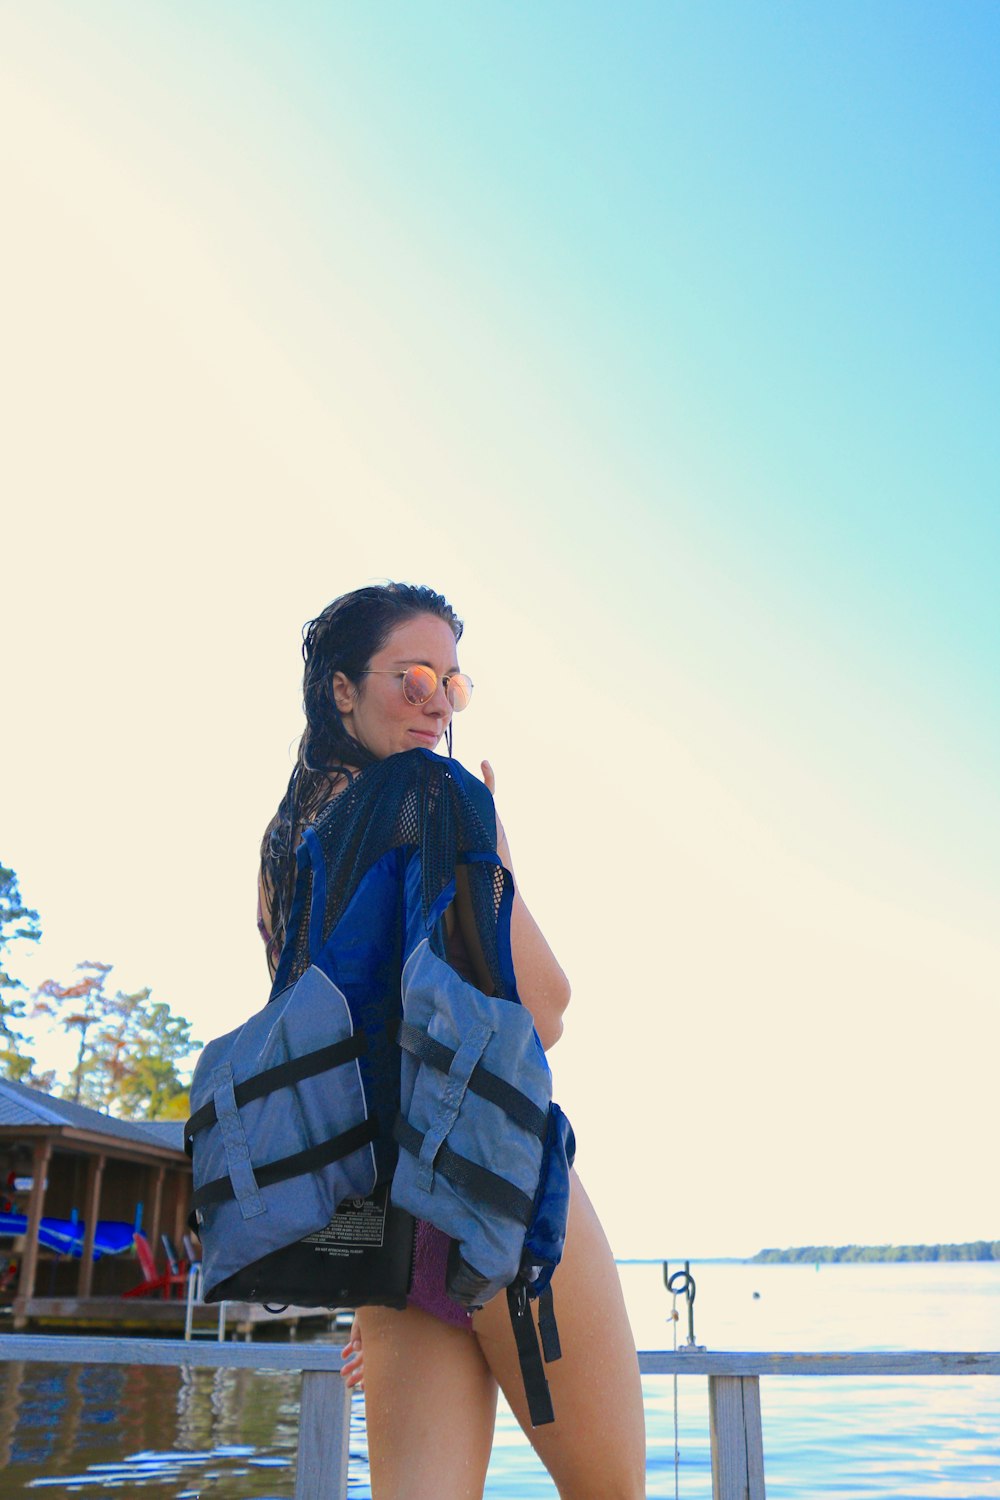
838 1254
972 1250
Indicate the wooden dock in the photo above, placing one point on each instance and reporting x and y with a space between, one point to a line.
737 1439
157 1315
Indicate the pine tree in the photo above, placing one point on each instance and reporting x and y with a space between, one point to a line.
18 923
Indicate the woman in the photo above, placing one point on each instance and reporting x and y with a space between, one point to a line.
382 678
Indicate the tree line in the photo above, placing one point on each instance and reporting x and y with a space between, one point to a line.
130 1049
830 1254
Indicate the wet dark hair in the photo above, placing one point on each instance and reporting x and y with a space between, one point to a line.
344 638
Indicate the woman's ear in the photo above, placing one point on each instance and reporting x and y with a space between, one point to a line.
344 692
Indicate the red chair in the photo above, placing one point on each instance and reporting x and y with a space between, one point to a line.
155 1281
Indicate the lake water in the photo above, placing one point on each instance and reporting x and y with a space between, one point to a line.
231 1435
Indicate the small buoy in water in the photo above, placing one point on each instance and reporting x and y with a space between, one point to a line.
756 1296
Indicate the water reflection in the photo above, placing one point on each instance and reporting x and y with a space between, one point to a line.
230 1432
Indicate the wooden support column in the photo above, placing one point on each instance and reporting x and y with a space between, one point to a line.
36 1205
182 1207
91 1213
157 1209
324 1434
737 1439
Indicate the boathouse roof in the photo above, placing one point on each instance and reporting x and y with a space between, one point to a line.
29 1109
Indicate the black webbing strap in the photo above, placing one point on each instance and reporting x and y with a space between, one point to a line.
310 1160
547 1326
487 1085
282 1076
480 1183
536 1387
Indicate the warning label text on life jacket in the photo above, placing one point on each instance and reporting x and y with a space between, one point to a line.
358 1224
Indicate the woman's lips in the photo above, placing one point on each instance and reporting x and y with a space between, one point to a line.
430 735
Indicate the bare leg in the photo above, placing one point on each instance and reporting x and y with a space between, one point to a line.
430 1407
596 1447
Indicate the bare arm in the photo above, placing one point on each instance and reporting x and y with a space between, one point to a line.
541 982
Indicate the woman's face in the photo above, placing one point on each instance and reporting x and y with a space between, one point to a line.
374 710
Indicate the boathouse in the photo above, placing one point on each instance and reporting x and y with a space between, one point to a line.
63 1163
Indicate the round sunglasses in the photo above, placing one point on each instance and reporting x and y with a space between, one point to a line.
420 685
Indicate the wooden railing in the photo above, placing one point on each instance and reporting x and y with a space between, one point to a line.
324 1413
734 1396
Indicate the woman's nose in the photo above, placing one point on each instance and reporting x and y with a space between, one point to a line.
437 704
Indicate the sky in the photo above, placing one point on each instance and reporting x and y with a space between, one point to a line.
663 339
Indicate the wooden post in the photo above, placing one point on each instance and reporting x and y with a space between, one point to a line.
29 1263
182 1207
737 1440
91 1211
157 1210
324 1436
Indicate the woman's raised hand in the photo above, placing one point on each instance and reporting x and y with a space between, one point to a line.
353 1368
489 777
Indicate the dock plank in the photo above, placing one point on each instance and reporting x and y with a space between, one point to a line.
71 1349
153 1313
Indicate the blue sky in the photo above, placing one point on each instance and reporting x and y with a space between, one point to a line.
664 339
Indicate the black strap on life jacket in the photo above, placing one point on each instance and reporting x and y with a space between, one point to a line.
479 1182
282 1076
547 1326
536 1387
487 1085
221 1189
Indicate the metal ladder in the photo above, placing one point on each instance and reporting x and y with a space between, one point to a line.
194 1287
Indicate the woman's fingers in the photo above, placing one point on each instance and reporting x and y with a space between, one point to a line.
353 1368
488 776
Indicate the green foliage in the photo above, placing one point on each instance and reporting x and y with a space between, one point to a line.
131 1048
140 1065
830 1254
18 923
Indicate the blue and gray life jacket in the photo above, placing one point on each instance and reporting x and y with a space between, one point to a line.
377 1065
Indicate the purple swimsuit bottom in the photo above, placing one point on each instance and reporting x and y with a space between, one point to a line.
430 1261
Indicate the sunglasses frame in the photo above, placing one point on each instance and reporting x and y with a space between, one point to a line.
443 681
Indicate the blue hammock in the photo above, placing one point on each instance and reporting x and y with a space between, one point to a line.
66 1235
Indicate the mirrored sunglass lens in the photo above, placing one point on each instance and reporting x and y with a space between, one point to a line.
418 684
459 691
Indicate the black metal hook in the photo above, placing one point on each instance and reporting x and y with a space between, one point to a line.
682 1284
